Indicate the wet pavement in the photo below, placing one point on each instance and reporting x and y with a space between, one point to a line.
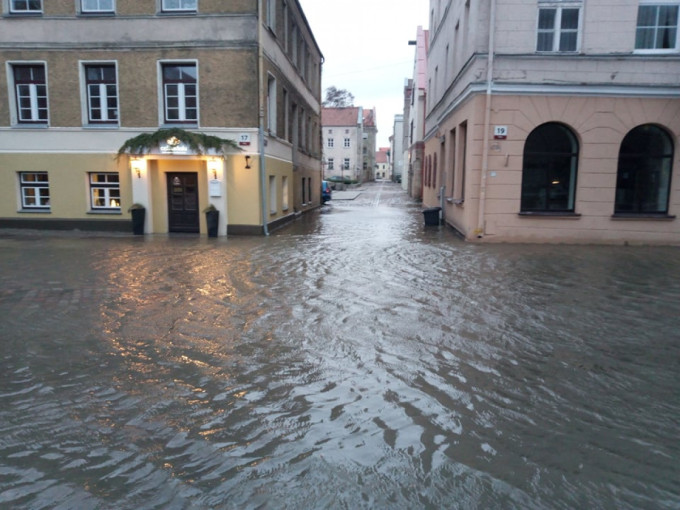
353 359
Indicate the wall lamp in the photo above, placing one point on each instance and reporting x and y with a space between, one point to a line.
215 167
137 166
247 162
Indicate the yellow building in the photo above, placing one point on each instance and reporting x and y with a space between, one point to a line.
236 86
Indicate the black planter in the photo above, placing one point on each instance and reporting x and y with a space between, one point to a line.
212 219
138 216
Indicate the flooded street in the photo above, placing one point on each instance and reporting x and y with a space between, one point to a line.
353 359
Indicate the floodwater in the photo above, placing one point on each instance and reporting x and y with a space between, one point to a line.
354 359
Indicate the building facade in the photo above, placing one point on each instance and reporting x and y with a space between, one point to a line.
82 78
415 99
555 121
348 139
383 168
397 148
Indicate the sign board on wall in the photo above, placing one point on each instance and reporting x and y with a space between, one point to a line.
500 132
215 186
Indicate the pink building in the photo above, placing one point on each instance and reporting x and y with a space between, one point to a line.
554 121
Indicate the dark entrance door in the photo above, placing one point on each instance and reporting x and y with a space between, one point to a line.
183 202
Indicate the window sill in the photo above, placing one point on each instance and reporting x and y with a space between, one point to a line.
31 125
455 201
642 217
112 125
37 210
95 14
110 212
549 214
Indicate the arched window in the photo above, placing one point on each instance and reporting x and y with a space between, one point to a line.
643 181
550 168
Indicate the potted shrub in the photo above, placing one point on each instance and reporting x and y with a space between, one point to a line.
212 219
138 213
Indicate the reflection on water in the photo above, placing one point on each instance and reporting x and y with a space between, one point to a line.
351 360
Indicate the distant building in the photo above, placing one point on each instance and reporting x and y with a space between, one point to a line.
415 97
397 151
382 164
82 78
555 121
348 138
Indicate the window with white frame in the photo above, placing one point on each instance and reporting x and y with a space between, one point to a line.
30 93
180 89
35 190
330 143
331 163
97 6
25 6
348 143
179 5
657 26
345 164
102 93
104 191
558 28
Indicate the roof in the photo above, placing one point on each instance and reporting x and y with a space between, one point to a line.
369 118
348 116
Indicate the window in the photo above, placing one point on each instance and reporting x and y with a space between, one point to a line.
285 191
179 5
104 191
304 190
330 143
348 143
272 114
94 6
657 27
345 164
102 94
35 190
643 179
558 29
31 93
331 163
271 14
273 207
181 93
26 6
549 170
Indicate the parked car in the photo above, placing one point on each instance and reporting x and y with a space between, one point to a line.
326 193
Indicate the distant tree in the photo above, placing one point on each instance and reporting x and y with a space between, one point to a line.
338 98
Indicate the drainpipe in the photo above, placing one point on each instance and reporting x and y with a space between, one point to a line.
260 137
487 121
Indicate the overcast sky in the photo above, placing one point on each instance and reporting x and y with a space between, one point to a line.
366 51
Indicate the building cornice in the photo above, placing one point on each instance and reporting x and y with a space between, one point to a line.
543 89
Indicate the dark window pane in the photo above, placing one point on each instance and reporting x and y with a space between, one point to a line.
568 41
644 171
546 18
570 18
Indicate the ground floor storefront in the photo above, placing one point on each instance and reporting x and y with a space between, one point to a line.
531 168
